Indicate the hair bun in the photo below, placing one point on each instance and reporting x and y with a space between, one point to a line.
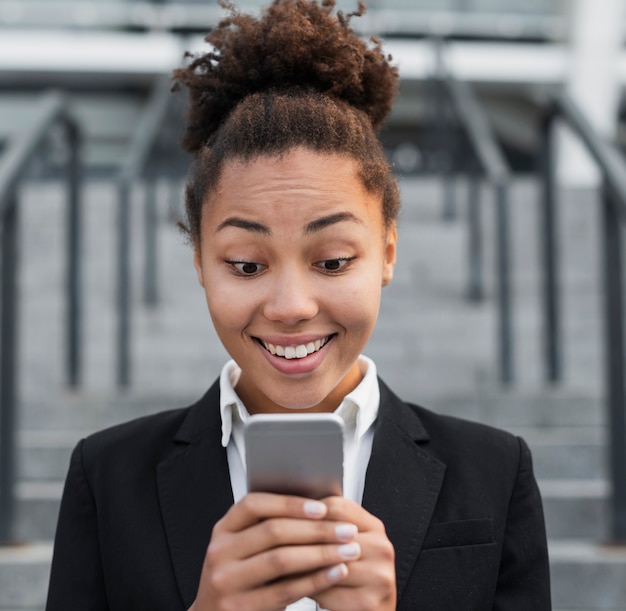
297 44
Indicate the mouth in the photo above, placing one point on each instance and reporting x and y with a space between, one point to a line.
298 351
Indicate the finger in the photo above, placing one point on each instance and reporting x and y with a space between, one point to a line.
370 573
349 598
258 506
371 582
368 585
286 563
279 532
342 509
285 592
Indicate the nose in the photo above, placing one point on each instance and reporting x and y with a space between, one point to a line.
291 297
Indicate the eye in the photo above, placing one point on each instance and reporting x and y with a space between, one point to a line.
334 265
246 268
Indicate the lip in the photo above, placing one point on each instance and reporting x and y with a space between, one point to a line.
296 366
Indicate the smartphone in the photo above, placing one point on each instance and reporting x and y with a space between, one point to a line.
300 454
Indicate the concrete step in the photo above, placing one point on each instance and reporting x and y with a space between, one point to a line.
68 415
575 453
24 575
576 413
585 576
542 408
45 455
569 460
573 509
566 452
576 509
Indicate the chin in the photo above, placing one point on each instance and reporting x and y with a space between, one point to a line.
298 407
301 405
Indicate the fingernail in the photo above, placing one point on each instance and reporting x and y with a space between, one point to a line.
314 509
337 572
346 532
350 551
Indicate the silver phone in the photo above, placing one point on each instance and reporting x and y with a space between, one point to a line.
300 454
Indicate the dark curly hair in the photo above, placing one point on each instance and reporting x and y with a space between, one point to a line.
296 76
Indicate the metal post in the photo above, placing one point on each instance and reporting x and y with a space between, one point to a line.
74 314
614 325
123 288
475 291
503 263
449 192
8 368
150 290
549 254
444 155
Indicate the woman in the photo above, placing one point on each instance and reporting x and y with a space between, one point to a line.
292 213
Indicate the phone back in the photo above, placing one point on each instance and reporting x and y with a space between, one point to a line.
299 454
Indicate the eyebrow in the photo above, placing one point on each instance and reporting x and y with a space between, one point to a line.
243 224
310 228
327 221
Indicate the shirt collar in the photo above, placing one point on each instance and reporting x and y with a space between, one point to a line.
358 409
231 406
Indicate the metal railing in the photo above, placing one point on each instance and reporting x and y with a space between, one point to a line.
452 17
489 161
152 117
13 164
613 202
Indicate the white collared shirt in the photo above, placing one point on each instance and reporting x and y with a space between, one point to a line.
358 410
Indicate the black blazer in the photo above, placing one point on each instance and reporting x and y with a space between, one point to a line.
458 499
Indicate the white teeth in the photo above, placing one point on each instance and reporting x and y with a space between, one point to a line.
295 352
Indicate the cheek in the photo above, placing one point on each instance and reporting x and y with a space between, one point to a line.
359 303
229 308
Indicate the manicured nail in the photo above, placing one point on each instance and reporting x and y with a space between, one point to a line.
346 532
314 509
337 572
350 551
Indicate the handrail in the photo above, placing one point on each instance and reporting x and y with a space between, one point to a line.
147 130
494 166
605 155
152 117
385 19
479 130
613 169
13 163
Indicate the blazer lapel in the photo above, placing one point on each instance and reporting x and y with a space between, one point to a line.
403 481
194 490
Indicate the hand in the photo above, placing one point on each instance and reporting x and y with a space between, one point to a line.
371 580
270 550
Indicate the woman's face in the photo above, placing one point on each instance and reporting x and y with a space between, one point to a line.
292 257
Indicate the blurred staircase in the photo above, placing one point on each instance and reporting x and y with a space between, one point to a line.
431 346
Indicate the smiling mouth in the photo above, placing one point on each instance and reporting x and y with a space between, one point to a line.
299 351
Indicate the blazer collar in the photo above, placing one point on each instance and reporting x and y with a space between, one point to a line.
403 481
402 485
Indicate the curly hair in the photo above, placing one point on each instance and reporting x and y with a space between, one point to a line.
296 76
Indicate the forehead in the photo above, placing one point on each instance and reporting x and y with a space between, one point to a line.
292 188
